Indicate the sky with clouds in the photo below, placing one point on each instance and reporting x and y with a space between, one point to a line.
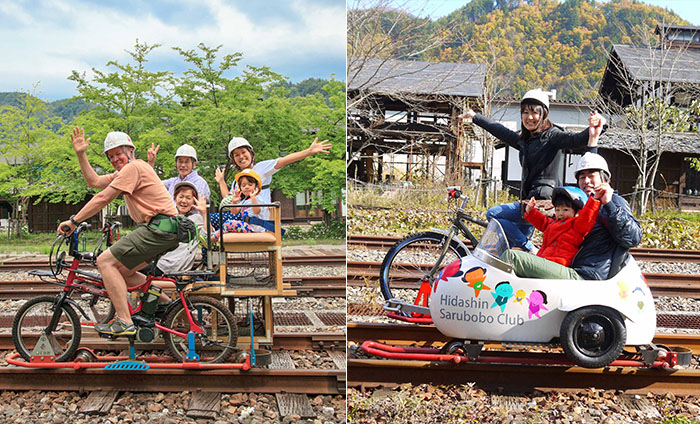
42 41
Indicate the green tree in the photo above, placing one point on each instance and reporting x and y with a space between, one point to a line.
256 105
322 174
129 98
32 159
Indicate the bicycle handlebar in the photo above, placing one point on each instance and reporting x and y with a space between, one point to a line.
80 228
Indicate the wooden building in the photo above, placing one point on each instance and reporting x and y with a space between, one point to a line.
677 183
410 109
670 71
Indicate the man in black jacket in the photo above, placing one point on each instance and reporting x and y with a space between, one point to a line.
605 249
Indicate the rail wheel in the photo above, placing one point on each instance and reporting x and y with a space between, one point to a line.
33 319
593 337
454 347
218 323
410 259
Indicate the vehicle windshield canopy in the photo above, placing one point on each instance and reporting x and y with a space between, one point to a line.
493 245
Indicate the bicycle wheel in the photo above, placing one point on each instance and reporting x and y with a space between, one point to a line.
218 323
409 260
34 317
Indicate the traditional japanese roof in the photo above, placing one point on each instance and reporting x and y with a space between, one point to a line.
391 76
644 64
669 27
619 139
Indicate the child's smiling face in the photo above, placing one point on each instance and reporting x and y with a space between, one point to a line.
248 186
563 211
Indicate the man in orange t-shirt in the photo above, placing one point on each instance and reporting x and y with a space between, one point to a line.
150 206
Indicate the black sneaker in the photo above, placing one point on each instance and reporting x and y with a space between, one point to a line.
116 327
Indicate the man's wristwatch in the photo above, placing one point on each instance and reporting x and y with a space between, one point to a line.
72 220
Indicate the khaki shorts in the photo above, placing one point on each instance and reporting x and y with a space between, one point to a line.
143 244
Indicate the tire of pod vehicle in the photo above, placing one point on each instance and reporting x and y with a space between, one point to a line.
593 336
454 252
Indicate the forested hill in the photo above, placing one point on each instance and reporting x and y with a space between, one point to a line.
65 109
545 43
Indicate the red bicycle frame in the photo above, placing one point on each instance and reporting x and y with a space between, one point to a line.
76 281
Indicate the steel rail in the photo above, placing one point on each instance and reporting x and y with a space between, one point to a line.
640 253
288 341
256 380
10 265
661 284
429 336
508 377
315 286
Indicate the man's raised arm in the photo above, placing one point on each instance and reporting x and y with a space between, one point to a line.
80 145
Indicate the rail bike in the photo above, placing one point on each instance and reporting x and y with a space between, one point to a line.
478 300
219 312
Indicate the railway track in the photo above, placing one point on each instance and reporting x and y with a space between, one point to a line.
639 253
257 380
661 284
507 377
428 336
19 264
323 286
288 341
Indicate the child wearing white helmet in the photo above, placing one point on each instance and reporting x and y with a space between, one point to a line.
540 144
250 187
242 156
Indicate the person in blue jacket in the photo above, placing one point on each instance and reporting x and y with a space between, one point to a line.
540 144
605 249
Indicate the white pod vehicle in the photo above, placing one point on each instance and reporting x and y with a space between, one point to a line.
480 298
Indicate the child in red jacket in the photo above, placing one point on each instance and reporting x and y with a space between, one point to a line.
562 236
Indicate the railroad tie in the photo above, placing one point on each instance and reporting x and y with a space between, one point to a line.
294 404
204 405
508 403
99 402
339 358
641 404
281 360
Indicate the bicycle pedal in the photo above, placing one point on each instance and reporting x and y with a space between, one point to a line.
141 321
107 336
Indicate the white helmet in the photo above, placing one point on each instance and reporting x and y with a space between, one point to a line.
186 151
537 95
187 184
237 142
592 161
116 139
